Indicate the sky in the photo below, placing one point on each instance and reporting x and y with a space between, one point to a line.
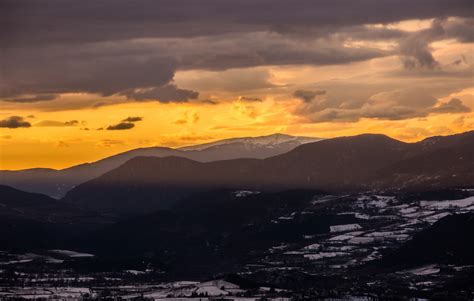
84 79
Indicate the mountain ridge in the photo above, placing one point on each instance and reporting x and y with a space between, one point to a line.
341 164
56 183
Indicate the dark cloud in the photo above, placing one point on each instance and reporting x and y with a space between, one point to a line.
241 80
371 33
132 119
121 126
267 49
35 98
415 49
71 122
97 72
14 122
454 105
126 124
134 48
308 95
73 21
144 70
167 93
341 32
461 28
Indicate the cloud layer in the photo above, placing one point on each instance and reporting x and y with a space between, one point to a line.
135 48
117 51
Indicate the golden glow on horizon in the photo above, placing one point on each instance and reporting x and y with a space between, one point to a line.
59 147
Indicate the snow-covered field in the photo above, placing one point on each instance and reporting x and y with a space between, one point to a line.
180 290
384 222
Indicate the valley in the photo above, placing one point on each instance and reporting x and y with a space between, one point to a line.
327 245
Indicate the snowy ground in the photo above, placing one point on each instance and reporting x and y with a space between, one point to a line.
384 222
378 223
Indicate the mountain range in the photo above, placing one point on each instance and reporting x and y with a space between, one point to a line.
367 207
356 163
56 183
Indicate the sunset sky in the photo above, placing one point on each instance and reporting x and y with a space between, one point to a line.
82 80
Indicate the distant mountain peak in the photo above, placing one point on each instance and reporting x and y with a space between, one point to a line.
267 140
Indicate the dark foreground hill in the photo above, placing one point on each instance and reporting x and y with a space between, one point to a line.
31 220
208 233
448 241
364 162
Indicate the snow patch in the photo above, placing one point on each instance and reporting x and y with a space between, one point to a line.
71 254
343 228
312 247
449 203
324 255
245 193
425 270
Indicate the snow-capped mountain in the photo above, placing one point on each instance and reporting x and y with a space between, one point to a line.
269 141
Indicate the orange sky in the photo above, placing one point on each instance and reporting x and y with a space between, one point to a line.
243 109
